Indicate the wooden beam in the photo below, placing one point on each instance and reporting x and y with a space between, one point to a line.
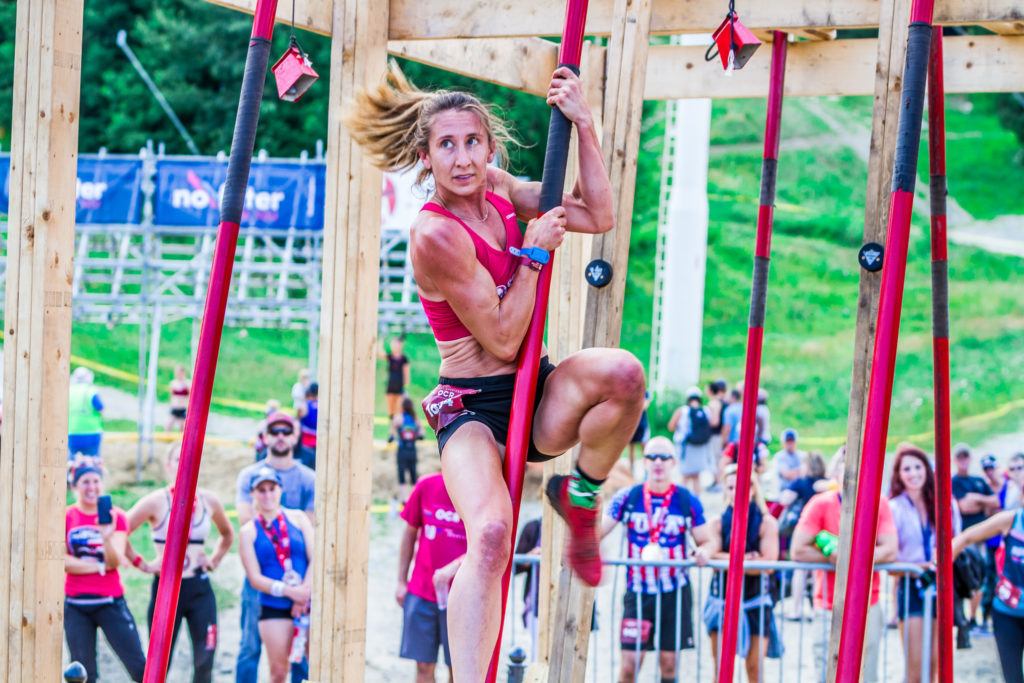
892 44
416 19
311 15
37 336
815 34
565 336
347 342
622 114
986 63
521 63
1004 28
433 19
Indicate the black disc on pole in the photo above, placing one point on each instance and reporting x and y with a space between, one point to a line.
871 256
598 273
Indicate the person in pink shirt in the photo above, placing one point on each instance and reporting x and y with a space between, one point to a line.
93 594
435 534
815 539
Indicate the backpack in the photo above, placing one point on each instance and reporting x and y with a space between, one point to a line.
968 572
700 427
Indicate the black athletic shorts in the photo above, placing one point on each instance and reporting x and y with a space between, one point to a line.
648 611
267 612
492 404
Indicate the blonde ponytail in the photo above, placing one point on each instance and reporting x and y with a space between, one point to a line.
391 122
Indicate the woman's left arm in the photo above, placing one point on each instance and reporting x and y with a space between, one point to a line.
224 528
769 538
590 207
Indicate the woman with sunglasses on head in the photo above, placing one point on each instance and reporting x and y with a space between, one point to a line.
476 273
276 549
657 515
196 602
912 499
762 544
94 595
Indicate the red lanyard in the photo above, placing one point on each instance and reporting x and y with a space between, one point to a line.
654 528
279 539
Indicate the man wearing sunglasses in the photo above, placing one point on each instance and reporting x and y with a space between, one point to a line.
658 603
297 487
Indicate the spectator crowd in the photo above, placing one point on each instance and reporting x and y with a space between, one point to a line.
793 514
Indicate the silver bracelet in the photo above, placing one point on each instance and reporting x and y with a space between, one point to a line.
277 589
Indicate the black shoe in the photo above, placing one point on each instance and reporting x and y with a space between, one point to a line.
963 638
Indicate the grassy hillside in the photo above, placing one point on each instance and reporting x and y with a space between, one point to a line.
813 287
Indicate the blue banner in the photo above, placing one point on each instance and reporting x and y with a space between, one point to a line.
279 195
107 190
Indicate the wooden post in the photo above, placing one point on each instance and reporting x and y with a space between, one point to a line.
347 342
37 337
565 336
892 46
622 113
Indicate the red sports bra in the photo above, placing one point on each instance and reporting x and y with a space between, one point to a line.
502 266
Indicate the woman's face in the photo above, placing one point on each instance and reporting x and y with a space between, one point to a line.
89 488
1016 470
458 152
171 466
730 487
913 473
267 496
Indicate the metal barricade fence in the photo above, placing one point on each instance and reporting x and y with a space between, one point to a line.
797 660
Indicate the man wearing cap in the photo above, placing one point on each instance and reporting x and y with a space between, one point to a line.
657 515
297 487
789 460
976 501
302 454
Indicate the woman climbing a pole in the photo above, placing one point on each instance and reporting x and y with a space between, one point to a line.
477 273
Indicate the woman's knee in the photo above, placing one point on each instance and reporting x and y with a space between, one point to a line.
491 539
624 376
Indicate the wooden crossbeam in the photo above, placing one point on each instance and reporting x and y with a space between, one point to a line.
1005 28
521 63
436 19
987 63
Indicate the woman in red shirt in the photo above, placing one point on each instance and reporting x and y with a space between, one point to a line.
94 596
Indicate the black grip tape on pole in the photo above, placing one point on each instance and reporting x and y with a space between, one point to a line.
759 291
769 174
908 137
937 188
245 130
940 299
556 156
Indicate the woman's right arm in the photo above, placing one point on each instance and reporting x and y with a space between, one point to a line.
445 257
674 420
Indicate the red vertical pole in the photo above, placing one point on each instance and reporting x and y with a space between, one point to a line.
940 353
525 389
752 372
883 364
198 411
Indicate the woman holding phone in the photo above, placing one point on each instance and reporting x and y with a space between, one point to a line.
96 535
